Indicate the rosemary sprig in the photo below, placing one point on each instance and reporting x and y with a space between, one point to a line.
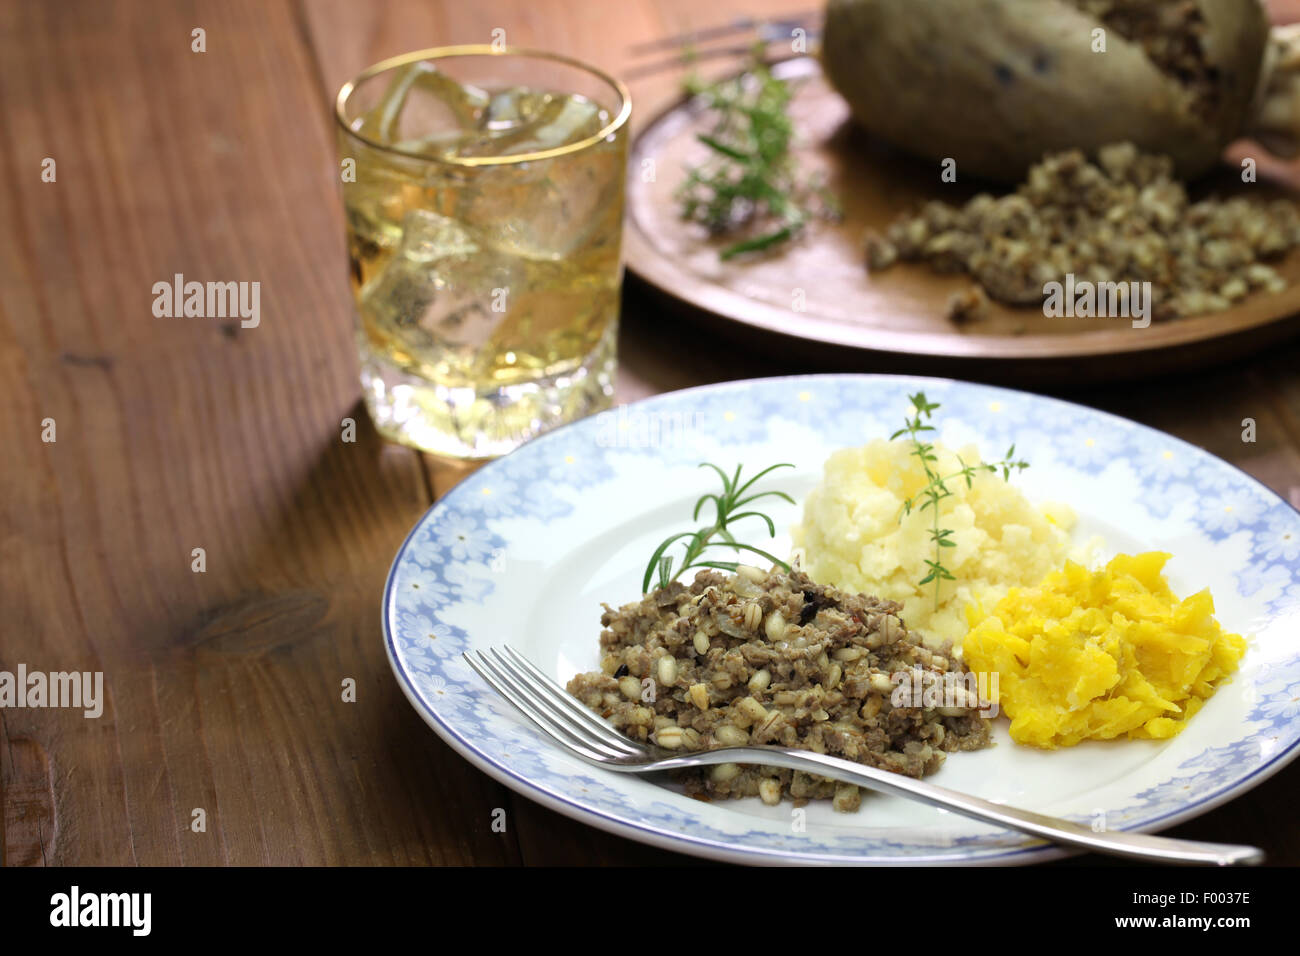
751 182
936 488
727 504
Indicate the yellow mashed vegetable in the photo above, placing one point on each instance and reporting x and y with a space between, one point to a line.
1101 654
851 536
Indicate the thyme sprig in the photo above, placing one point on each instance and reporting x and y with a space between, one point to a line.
751 180
727 506
936 488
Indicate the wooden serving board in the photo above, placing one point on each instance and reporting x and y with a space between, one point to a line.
817 297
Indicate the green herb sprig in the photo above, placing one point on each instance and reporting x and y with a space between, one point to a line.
751 180
936 488
727 504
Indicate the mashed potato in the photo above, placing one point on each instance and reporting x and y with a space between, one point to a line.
1102 653
851 536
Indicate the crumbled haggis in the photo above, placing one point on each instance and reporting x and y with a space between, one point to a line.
968 305
774 658
1123 219
1172 34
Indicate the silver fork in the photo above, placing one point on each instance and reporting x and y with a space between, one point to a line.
692 47
564 719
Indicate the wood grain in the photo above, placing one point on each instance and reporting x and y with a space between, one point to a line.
224 687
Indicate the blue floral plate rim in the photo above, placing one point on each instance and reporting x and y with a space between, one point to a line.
679 841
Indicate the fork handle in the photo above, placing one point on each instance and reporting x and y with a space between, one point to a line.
1119 842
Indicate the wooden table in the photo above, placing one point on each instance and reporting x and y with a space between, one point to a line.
174 434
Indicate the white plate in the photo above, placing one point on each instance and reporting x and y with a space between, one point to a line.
525 551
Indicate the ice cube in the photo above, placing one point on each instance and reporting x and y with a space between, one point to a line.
561 121
369 224
428 237
422 105
442 294
511 108
548 208
523 121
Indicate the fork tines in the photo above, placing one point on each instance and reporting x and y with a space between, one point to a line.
765 31
762 27
551 708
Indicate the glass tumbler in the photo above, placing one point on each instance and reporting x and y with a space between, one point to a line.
483 191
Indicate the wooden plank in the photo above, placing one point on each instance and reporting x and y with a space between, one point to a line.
347 37
1205 409
224 687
